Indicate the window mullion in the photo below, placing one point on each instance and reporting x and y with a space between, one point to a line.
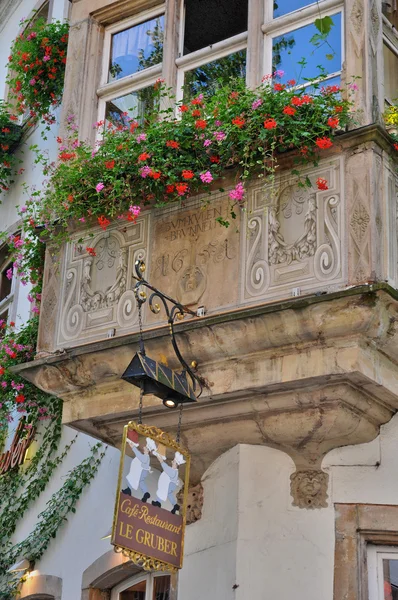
255 43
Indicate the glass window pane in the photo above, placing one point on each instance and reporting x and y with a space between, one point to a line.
5 282
135 592
290 48
135 105
209 22
390 74
136 48
207 78
282 7
161 587
390 576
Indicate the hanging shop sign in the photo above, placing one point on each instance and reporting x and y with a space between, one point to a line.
149 519
15 456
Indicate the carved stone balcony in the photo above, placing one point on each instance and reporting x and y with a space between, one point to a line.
303 374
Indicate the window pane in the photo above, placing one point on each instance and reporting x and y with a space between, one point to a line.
136 48
215 74
390 574
135 105
210 21
3 320
282 7
135 592
290 48
390 74
5 282
161 588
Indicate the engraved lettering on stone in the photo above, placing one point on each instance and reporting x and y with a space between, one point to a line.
309 489
217 251
178 260
162 265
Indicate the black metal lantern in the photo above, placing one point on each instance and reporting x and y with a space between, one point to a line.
154 377
161 381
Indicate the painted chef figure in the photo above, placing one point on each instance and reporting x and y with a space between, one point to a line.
140 465
168 481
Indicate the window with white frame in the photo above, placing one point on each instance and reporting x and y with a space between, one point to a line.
390 51
7 285
144 587
213 49
289 42
213 42
383 572
132 62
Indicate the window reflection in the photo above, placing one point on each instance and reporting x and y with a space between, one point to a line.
290 48
282 7
135 592
209 77
161 588
120 111
390 575
136 48
390 74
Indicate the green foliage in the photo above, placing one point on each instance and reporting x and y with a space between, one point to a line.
37 66
10 135
49 522
167 159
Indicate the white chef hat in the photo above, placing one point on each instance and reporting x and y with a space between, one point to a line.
178 457
151 444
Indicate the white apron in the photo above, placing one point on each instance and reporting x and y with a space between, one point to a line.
163 486
134 475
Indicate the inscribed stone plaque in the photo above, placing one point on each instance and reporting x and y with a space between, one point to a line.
194 258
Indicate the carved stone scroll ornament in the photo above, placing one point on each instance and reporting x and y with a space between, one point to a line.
327 262
257 274
280 251
92 299
194 503
309 489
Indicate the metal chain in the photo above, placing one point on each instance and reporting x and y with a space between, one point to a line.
142 347
140 404
179 424
142 350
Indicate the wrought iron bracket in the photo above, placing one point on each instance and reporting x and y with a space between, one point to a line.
176 311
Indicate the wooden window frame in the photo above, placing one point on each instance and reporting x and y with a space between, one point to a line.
148 577
357 526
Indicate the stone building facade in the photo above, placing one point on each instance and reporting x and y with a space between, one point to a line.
294 440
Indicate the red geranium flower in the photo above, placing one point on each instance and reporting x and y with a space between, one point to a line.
103 222
200 124
338 109
170 188
187 174
324 142
238 121
2 370
20 398
91 251
270 124
396 146
155 174
172 144
109 164
196 113
289 110
133 126
144 156
333 122
278 87
183 108
322 183
181 188
215 159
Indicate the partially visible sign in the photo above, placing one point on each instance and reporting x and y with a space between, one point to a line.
19 445
149 523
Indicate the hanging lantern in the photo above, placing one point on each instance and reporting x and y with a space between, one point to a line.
156 378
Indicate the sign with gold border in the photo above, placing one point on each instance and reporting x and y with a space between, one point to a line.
149 522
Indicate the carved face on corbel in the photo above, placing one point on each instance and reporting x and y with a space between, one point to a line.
309 489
